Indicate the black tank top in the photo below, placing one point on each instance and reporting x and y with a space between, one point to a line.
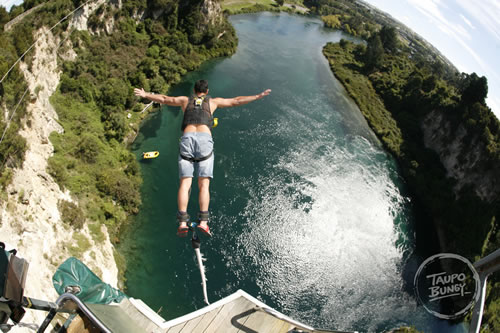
198 112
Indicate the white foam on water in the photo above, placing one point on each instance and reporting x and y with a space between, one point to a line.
321 232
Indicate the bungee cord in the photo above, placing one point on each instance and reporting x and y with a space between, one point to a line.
195 243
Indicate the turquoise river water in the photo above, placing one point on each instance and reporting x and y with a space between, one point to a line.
309 212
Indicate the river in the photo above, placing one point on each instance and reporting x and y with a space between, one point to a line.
309 213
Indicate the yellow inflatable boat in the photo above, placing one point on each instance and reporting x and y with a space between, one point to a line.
150 154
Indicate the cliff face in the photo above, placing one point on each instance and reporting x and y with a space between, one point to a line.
201 19
211 12
207 12
80 19
466 161
30 220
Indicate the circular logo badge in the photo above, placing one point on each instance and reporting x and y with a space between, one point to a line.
447 285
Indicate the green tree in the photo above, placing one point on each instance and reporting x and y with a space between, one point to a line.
374 53
16 11
4 17
343 43
13 146
120 187
115 92
23 37
116 126
331 21
67 84
160 4
389 38
429 83
474 89
88 148
153 52
57 169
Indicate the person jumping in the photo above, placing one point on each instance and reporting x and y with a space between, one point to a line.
196 146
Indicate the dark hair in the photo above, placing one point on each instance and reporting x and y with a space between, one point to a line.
201 86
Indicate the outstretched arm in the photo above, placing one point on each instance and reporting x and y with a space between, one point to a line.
162 99
240 100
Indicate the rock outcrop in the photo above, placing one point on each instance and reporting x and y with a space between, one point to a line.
466 161
212 13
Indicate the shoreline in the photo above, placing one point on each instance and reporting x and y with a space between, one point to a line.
437 238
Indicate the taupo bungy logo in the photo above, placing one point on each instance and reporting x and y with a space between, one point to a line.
447 285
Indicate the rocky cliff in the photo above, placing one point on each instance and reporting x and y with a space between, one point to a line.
30 218
211 13
465 160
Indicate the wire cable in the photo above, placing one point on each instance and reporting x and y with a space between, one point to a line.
25 52
55 25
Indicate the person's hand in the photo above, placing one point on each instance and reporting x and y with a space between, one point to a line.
140 92
265 93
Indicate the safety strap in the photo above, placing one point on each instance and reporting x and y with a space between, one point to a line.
196 159
182 217
203 216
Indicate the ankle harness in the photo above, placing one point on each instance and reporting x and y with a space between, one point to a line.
183 217
203 216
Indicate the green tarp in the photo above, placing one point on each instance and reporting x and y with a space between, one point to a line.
74 273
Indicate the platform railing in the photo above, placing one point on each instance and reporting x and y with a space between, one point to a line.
69 302
484 267
299 327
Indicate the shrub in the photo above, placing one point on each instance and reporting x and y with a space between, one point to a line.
80 245
121 188
5 177
116 126
88 148
71 214
331 21
115 92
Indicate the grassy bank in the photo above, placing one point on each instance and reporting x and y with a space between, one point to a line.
233 7
348 71
239 6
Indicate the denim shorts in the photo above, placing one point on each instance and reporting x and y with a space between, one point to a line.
196 145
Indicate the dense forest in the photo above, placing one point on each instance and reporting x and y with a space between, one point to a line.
406 96
150 44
